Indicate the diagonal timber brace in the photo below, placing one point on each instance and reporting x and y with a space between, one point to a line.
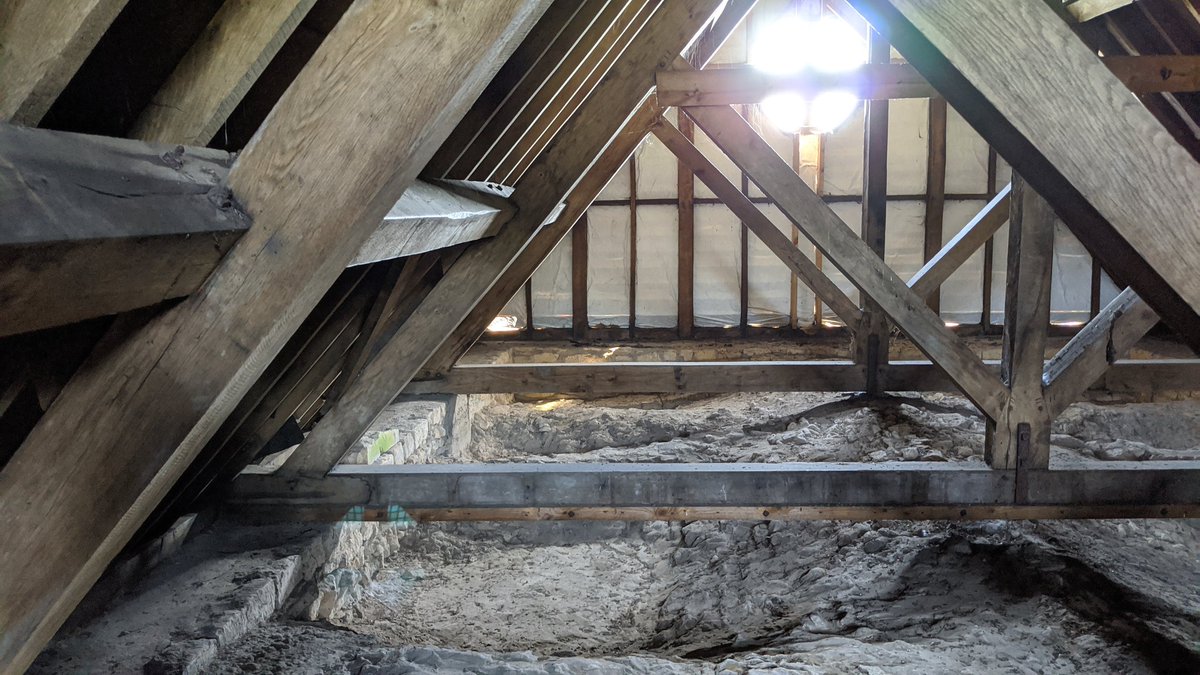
850 254
759 224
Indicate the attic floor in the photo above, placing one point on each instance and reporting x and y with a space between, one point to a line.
717 597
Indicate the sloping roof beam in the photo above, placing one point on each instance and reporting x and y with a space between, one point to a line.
382 92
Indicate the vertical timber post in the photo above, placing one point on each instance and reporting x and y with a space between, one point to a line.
1021 438
871 338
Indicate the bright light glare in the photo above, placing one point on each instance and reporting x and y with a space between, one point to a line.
835 46
781 48
830 109
791 44
788 111
503 324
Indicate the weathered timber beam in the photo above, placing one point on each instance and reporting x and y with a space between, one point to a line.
91 226
850 254
958 250
935 189
878 81
42 44
869 345
1121 182
1163 489
1085 358
732 86
647 378
550 179
719 377
1020 438
218 70
758 223
148 405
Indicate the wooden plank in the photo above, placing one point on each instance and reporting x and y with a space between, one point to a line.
935 188
1150 74
714 377
897 485
92 226
599 379
850 254
1143 74
551 179
42 44
991 63
1020 439
696 163
218 70
686 193
148 405
736 85
1106 338
958 250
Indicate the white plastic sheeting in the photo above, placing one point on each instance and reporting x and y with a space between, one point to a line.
608 266
718 267
657 266
551 288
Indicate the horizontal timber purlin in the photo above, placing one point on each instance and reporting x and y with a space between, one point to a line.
895 489
713 377
731 86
